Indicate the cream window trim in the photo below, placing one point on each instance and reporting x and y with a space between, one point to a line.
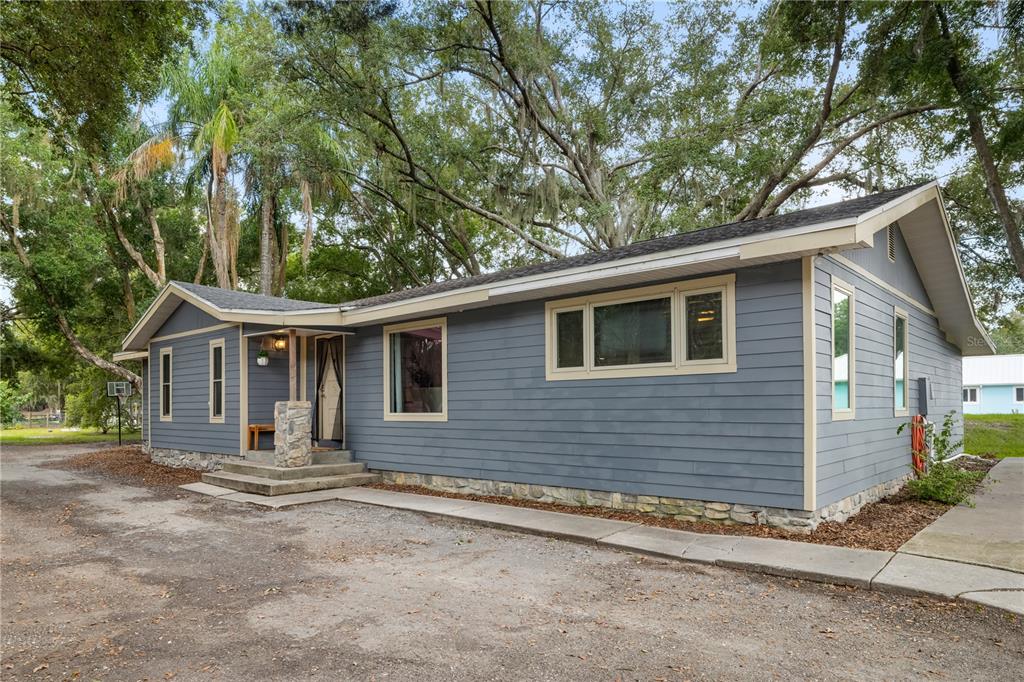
676 291
169 351
901 314
390 329
218 343
849 290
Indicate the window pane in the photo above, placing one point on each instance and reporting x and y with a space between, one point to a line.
569 330
899 362
166 359
218 399
633 333
165 400
840 350
218 363
704 329
416 374
1020 394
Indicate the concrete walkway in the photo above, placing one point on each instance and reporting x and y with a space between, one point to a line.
991 533
867 569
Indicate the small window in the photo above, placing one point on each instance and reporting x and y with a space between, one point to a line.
970 395
705 327
890 242
684 327
166 391
217 381
414 368
900 363
569 344
1018 394
843 367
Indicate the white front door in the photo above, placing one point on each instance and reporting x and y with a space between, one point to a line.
329 398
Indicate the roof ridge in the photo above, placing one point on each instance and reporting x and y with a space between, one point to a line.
705 235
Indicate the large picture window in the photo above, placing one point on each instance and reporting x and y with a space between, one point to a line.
900 364
166 389
843 365
679 328
217 381
415 369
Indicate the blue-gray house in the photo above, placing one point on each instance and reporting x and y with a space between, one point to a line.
752 372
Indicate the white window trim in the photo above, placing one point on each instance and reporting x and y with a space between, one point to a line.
849 290
441 416
169 351
218 343
905 410
977 395
1015 389
678 365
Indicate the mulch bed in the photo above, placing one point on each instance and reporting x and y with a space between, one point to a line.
883 525
129 465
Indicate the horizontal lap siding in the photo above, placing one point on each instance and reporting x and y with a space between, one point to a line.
733 437
853 455
190 428
185 318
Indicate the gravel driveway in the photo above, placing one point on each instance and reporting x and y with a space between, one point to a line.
110 582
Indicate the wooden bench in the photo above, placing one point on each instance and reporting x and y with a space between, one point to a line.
254 434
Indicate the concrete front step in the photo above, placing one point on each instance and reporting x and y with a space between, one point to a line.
269 486
319 456
293 473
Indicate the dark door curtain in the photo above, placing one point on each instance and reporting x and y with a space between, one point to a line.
336 359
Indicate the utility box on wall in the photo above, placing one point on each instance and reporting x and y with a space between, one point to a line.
924 395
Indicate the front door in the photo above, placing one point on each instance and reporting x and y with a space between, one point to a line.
331 427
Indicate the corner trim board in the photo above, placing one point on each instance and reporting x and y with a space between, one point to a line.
810 387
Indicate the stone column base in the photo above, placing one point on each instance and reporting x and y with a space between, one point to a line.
293 435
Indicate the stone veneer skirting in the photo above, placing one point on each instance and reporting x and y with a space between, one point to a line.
187 459
684 510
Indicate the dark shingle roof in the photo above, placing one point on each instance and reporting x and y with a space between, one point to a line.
809 216
240 300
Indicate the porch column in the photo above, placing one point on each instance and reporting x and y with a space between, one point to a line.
293 375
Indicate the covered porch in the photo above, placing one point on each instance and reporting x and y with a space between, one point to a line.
293 364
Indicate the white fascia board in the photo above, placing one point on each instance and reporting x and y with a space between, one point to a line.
614 269
129 355
329 315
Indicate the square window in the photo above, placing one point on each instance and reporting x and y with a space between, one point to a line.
416 369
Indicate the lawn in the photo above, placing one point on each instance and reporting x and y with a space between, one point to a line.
997 435
61 436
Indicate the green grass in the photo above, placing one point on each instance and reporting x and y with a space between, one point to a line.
61 436
995 435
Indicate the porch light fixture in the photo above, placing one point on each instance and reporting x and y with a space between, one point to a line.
280 343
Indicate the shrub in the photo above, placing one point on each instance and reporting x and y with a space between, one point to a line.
11 400
945 483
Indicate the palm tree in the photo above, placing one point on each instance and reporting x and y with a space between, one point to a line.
204 118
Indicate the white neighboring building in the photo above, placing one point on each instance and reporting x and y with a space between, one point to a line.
994 384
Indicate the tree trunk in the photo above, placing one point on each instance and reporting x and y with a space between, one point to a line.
219 247
267 241
994 184
282 259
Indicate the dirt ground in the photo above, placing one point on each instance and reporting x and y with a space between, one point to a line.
104 581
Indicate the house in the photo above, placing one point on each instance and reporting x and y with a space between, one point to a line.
749 372
994 384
